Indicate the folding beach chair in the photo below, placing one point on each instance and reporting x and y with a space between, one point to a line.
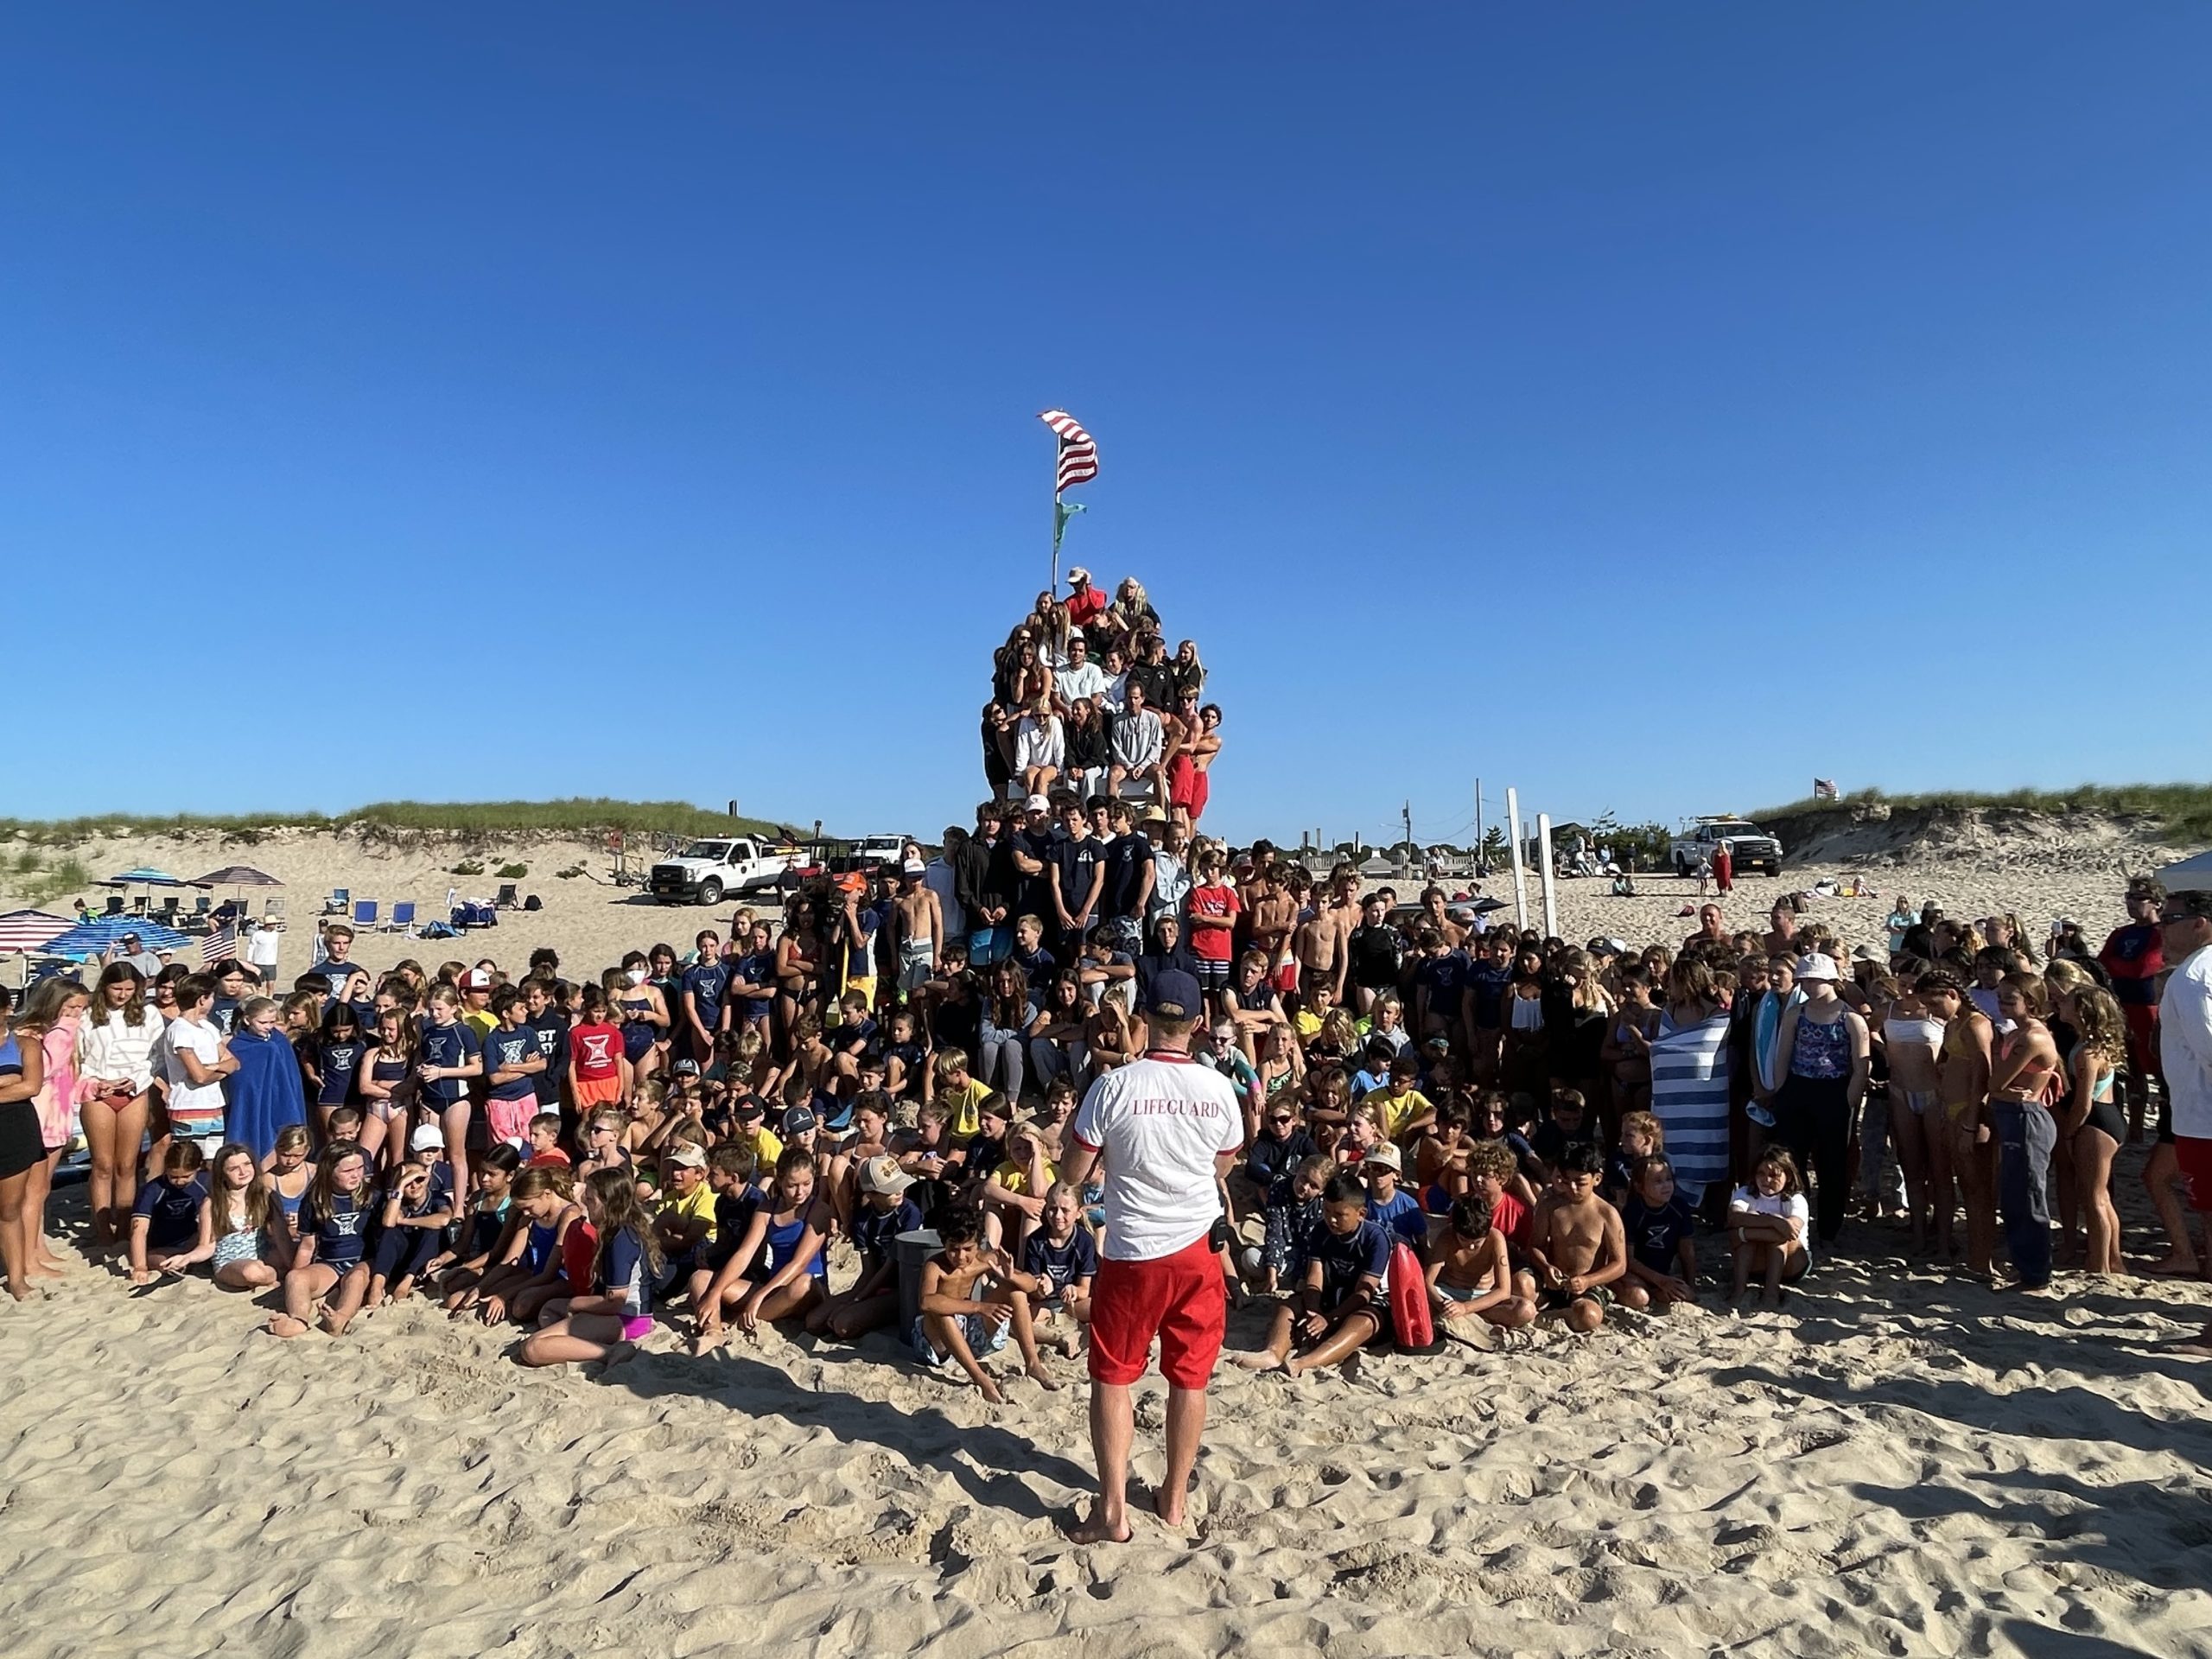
114 905
203 904
272 907
403 917
507 900
339 900
365 912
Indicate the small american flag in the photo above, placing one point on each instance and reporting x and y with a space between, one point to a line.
217 945
1079 453
1824 789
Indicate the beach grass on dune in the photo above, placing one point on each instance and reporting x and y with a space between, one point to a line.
2181 812
576 815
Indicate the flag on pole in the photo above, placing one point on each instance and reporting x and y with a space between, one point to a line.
217 945
1076 463
1078 458
1824 789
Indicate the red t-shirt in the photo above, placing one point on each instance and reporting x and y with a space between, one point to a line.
594 1052
1510 1217
1086 606
1214 944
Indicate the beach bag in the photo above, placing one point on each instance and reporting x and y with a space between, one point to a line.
1412 1330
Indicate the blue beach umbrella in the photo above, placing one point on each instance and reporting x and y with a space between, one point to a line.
88 940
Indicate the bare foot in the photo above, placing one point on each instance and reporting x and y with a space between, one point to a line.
2174 1267
1168 1506
1266 1360
1043 1378
707 1341
286 1326
1096 1531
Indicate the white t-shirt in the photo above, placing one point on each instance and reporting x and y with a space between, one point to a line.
1791 1207
2185 1044
1085 682
262 946
1160 1123
189 1100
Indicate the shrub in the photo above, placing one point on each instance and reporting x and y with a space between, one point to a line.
469 867
513 872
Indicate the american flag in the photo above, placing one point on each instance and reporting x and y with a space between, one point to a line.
217 945
1079 453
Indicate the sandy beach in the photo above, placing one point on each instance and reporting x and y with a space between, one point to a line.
1898 1462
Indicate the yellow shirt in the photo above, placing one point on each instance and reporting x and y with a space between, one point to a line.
765 1150
1307 1024
967 1120
699 1206
1014 1178
480 1021
1398 1110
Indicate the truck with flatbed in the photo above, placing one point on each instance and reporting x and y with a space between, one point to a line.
1752 847
714 865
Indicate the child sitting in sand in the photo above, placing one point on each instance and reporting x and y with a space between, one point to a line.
1293 1211
1641 1136
1063 1258
608 1323
786 1238
1471 1278
417 1205
455 1271
1575 1246
169 1228
240 1213
1661 1239
1767 1221
1390 1206
530 1277
329 1272
1343 1301
970 1297
884 1212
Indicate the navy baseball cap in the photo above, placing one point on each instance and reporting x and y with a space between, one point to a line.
1175 995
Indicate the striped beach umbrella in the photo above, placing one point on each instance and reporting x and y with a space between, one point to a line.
27 930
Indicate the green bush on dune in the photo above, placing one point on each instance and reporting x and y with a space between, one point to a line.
2181 812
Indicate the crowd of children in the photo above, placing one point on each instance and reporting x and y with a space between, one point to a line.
1448 1130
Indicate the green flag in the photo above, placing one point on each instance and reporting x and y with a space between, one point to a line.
1062 512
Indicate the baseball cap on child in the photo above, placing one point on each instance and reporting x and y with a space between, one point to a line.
799 1119
474 979
1387 1155
426 1136
688 1154
882 1174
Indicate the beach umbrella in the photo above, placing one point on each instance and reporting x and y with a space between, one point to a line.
2191 875
89 939
238 875
27 930
146 876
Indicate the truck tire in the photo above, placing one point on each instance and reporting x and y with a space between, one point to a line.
711 891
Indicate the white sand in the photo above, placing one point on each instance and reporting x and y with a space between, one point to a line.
1897 1463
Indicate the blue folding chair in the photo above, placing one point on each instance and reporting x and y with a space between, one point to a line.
365 912
402 916
338 900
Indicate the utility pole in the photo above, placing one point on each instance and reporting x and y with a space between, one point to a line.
1409 828
1482 864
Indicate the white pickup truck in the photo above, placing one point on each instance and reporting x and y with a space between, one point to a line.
1750 846
711 866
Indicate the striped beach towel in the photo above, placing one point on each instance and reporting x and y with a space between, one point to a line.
1689 1096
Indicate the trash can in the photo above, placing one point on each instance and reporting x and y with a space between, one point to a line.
910 1251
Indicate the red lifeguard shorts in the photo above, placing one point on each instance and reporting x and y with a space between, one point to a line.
2194 1156
1179 1298
1187 787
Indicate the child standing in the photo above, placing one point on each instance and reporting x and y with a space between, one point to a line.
512 1062
451 1053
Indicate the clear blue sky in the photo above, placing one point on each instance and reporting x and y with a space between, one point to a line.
1601 399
